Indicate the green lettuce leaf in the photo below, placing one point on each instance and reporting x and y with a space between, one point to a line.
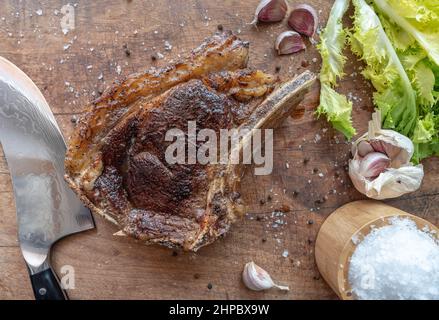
415 62
337 109
394 94
332 42
400 39
413 29
426 138
423 81
333 105
425 129
419 18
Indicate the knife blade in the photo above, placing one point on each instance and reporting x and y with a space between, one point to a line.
34 148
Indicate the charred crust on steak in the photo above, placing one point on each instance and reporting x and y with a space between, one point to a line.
116 156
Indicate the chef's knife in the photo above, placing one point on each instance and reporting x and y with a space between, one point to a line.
47 209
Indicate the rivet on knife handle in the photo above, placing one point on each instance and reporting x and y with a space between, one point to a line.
46 286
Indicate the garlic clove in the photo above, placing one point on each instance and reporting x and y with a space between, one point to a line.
257 279
270 11
303 19
398 147
364 148
373 164
289 42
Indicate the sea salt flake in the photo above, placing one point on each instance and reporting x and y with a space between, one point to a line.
168 46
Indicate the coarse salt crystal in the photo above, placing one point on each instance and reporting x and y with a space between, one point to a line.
397 261
168 46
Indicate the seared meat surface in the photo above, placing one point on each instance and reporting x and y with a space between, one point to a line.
116 156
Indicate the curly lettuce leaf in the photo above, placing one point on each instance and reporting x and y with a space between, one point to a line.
414 60
425 137
400 39
394 94
423 14
419 18
425 129
337 109
332 42
423 81
333 105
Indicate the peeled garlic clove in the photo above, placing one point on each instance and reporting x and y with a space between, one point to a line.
303 18
364 148
289 42
373 164
257 279
270 11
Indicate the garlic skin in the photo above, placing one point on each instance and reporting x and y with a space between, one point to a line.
270 11
381 167
289 42
392 183
255 278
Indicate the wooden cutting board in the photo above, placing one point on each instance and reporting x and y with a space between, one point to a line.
309 179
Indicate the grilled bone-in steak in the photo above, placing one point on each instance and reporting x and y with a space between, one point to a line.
116 156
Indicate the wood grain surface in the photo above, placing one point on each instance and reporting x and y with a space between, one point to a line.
72 69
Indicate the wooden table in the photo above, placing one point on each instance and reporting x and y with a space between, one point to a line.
67 69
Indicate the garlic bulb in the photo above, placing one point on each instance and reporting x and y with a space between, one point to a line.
381 167
257 279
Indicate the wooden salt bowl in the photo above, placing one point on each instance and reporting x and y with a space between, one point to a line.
334 245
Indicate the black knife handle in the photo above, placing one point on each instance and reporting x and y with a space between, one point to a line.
46 286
